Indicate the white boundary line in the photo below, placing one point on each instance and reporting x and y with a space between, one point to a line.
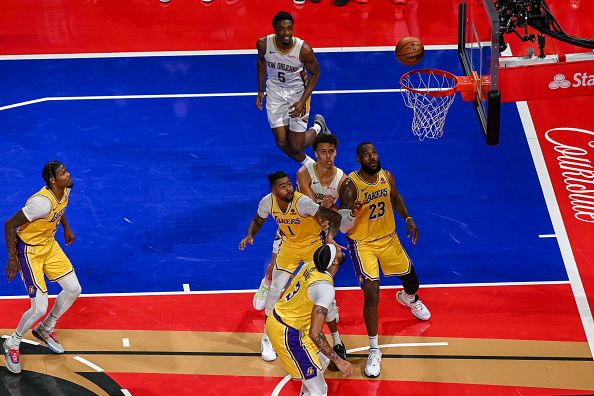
126 392
173 293
286 379
403 345
547 236
186 95
566 252
204 52
26 341
90 364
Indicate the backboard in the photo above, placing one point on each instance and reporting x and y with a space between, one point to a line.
478 50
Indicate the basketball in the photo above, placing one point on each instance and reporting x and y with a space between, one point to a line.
410 51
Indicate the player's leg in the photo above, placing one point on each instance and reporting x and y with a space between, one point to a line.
260 297
277 112
31 261
395 262
10 347
332 322
280 279
44 331
287 260
299 136
365 263
279 282
299 356
58 269
409 297
315 386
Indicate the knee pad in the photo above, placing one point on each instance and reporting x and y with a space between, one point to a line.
39 306
316 386
276 244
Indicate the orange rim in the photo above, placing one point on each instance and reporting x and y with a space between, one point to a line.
435 94
468 86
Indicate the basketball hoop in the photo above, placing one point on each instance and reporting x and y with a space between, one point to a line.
431 92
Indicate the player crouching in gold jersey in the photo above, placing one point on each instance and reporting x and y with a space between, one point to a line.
295 326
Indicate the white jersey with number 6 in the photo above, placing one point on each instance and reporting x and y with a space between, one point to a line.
284 69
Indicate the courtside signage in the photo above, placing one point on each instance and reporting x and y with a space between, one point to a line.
546 81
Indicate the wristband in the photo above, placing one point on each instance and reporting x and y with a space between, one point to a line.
406 220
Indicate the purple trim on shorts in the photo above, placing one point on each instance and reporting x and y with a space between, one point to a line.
26 270
300 356
357 265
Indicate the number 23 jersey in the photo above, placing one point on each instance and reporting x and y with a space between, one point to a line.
375 220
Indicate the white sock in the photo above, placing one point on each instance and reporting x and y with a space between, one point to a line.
336 338
49 323
14 341
316 127
307 160
373 342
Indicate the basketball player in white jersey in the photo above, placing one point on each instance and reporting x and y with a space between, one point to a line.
321 181
283 64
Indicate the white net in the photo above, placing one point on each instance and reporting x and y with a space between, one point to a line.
430 93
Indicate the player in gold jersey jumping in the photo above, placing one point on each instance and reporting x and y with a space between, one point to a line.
34 252
372 241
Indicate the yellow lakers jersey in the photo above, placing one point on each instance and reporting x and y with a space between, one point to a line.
294 227
376 218
294 307
42 231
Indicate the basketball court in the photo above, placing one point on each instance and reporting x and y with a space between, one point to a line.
151 108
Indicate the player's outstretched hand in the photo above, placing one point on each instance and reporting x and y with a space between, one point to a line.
259 100
357 209
345 367
412 230
328 201
68 236
245 241
331 240
12 268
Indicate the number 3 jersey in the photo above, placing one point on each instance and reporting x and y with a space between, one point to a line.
284 69
295 306
297 223
375 220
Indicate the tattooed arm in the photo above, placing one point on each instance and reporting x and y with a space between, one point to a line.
318 318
